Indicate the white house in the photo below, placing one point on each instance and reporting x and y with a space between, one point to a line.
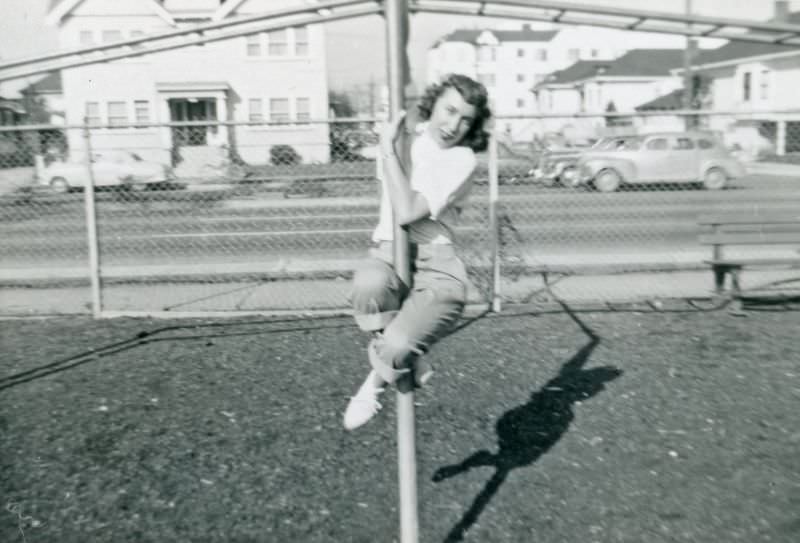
511 62
599 87
270 76
754 77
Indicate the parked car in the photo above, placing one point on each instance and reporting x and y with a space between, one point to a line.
110 169
558 165
665 157
513 166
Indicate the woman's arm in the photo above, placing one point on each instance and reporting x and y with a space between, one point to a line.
407 205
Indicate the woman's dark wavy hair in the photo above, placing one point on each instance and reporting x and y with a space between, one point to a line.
474 94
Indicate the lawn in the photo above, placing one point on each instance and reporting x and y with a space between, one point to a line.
550 426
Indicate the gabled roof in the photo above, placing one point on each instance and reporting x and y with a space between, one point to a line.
471 35
735 52
669 101
583 69
61 8
49 84
646 62
634 63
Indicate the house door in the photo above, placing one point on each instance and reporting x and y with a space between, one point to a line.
191 109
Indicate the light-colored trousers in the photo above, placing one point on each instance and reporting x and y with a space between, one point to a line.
413 319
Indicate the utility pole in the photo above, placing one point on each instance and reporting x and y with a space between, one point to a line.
688 79
372 96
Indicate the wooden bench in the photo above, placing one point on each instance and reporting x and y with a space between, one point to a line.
747 230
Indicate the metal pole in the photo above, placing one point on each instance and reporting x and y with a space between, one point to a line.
91 226
398 76
494 225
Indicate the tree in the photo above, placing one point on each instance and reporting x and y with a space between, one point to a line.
341 104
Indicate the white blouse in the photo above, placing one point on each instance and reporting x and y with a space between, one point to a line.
443 178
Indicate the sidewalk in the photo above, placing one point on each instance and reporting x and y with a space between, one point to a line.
330 294
773 168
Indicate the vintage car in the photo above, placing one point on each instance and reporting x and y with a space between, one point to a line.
122 169
514 166
666 157
558 164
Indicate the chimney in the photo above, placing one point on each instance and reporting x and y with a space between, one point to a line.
781 11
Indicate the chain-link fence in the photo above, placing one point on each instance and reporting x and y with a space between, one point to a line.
272 216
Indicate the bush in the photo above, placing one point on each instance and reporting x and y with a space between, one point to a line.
284 155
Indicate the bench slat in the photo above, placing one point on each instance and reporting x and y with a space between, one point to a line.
780 218
745 238
754 262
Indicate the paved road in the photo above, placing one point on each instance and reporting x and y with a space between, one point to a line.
258 224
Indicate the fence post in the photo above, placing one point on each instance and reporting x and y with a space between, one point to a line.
91 225
780 138
494 223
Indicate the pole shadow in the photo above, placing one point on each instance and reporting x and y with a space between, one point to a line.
528 431
162 335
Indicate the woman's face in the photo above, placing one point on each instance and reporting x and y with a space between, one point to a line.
451 118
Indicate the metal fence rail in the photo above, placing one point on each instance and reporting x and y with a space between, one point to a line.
269 217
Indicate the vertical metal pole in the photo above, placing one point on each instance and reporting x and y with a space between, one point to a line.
91 226
396 38
494 224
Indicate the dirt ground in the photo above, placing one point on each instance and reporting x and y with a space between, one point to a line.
549 426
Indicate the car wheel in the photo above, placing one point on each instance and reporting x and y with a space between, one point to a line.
715 179
607 181
59 185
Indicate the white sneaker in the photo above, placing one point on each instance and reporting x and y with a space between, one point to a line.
364 405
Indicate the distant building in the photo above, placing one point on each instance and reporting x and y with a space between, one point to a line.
512 62
272 76
605 87
746 77
45 99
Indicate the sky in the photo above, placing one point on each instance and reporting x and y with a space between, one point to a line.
356 47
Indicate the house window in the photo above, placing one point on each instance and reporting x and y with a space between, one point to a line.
279 110
278 43
303 109
487 54
111 36
520 78
683 144
255 111
87 38
541 55
141 109
520 103
520 53
594 53
117 113
658 144
93 113
301 41
254 45
574 54
764 85
747 81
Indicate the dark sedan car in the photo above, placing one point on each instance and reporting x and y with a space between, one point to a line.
513 166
